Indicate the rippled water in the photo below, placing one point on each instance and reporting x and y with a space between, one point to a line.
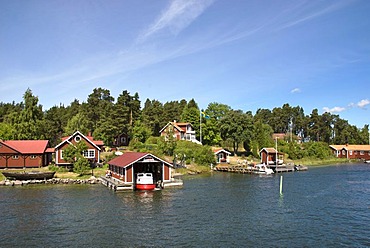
323 207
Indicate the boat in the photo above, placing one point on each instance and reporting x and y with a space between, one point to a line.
300 167
262 169
29 175
367 161
145 181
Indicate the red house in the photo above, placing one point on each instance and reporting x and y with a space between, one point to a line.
180 131
25 153
128 165
269 156
92 153
351 151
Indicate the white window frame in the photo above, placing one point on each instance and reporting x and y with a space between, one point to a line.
15 157
61 154
33 157
90 153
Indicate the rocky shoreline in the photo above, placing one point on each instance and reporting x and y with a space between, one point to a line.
91 180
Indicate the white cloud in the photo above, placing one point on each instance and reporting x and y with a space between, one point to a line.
295 90
363 103
179 15
334 110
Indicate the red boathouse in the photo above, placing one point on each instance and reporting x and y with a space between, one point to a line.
126 167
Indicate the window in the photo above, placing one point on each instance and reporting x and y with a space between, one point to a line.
33 156
15 157
350 152
89 153
362 152
343 152
78 138
61 154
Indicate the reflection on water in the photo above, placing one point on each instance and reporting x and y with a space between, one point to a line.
324 207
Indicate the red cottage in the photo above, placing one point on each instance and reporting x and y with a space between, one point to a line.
180 131
92 153
127 166
269 156
25 153
351 151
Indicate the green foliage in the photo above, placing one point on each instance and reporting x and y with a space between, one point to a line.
140 132
317 150
201 155
7 131
78 122
81 166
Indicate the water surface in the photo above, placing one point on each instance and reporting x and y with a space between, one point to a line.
323 207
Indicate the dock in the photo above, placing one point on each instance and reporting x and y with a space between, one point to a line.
115 184
249 169
118 185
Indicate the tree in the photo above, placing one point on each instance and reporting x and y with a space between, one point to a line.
28 122
99 104
73 154
237 127
152 116
78 122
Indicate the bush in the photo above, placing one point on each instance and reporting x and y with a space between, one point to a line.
81 166
201 155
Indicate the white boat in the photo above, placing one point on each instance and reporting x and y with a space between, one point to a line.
262 169
367 161
144 181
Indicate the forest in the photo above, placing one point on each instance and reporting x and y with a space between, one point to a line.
106 117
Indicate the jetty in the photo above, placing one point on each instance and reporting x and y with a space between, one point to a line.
250 169
118 185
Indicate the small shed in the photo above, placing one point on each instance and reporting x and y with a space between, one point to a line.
129 164
270 156
222 156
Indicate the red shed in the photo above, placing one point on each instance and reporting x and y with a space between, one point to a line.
24 153
270 156
126 167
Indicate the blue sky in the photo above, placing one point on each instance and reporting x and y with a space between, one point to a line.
246 54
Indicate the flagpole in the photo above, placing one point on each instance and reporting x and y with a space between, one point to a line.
200 125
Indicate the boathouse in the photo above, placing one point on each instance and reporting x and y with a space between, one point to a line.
25 153
127 166
351 151
92 153
270 156
222 156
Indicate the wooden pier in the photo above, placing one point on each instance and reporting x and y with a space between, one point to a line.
115 184
118 185
249 169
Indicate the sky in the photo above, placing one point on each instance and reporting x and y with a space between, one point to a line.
246 54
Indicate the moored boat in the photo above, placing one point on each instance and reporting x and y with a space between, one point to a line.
29 175
145 181
263 169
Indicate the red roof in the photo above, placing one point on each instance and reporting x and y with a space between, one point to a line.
129 158
28 146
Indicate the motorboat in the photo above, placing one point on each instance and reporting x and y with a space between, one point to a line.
145 181
263 169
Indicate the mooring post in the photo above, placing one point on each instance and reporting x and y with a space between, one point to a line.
281 185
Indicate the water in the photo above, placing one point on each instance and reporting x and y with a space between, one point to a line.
323 207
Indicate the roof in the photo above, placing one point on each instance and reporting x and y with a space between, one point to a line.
129 158
270 150
180 126
28 146
89 139
351 147
218 150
